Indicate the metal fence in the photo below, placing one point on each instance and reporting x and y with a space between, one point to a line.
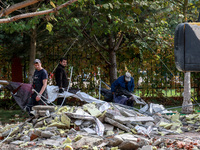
151 79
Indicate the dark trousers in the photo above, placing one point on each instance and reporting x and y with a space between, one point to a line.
32 102
60 101
108 97
121 91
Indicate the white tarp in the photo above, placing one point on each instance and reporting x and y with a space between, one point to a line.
53 94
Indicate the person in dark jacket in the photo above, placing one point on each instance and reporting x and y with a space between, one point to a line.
126 82
61 79
124 85
39 85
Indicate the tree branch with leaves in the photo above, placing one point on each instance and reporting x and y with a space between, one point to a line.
7 11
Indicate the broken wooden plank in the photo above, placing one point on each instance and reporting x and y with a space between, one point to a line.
117 124
123 119
44 107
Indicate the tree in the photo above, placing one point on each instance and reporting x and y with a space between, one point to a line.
115 35
117 27
33 23
110 22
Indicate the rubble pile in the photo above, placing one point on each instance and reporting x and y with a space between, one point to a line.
102 126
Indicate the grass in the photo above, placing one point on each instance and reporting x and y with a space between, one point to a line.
12 116
165 93
196 108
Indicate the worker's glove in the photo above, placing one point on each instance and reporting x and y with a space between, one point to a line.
61 90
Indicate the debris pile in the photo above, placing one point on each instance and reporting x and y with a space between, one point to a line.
102 125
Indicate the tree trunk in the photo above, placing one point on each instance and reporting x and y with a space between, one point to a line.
185 7
187 95
113 66
112 59
32 54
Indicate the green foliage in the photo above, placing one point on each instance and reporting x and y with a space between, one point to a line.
148 37
49 26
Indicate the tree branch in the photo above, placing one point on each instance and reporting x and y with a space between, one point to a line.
27 15
119 42
18 6
99 43
2 3
87 37
27 33
196 5
175 2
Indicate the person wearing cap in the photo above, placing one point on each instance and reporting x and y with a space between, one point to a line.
39 86
123 85
61 79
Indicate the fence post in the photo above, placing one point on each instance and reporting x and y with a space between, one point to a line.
187 94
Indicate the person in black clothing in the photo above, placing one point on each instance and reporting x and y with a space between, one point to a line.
61 79
39 85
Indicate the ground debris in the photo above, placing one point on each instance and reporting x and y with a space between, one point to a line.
91 127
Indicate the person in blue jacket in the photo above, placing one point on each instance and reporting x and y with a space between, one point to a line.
124 85
126 82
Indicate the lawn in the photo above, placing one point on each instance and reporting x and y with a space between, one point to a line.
12 116
165 93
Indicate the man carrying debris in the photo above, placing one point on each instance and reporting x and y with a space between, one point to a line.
124 85
61 79
39 86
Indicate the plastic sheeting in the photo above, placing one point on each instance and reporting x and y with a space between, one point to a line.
53 95
21 92
154 108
